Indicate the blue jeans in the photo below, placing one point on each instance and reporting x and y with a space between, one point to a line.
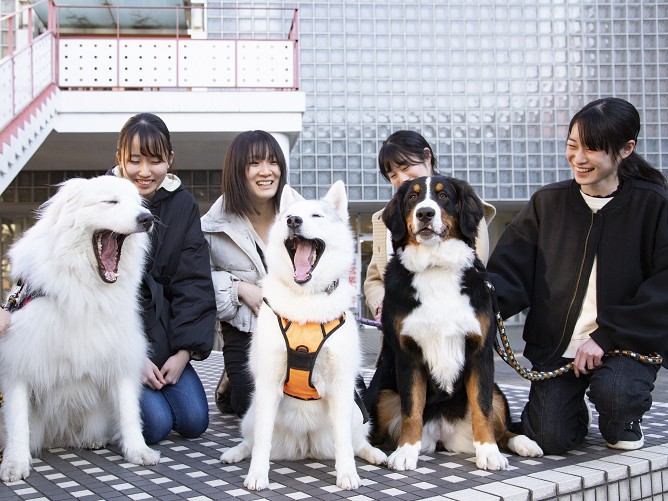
181 407
556 415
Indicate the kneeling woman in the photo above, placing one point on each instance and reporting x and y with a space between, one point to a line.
178 303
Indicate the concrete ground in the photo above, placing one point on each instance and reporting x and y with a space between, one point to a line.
190 469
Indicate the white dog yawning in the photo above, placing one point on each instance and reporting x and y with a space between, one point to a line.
71 360
303 405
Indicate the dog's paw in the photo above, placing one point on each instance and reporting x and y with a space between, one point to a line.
372 455
405 457
524 446
96 446
348 480
257 479
488 457
144 456
235 454
12 470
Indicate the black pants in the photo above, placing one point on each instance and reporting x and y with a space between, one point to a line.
236 345
556 414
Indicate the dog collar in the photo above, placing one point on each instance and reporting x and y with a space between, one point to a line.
21 296
332 287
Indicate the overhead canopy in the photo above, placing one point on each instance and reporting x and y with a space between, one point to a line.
104 16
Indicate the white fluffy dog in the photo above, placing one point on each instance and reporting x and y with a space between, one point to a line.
309 256
71 360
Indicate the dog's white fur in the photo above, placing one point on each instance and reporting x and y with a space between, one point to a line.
282 427
72 358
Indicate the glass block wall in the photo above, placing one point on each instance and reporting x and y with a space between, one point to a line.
491 84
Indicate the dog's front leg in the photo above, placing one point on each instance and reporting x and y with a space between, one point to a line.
17 460
340 410
488 456
133 444
413 394
266 400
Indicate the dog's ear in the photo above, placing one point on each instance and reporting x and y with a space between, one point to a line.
288 197
393 215
470 210
61 199
337 198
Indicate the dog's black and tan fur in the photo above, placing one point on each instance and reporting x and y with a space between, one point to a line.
434 384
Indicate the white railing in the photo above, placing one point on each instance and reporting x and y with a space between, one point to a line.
115 57
25 72
105 62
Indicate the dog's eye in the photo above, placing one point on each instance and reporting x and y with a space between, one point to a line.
317 215
442 195
111 202
413 196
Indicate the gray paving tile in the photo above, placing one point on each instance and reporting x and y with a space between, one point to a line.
190 469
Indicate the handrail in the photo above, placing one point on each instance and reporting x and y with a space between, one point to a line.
17 60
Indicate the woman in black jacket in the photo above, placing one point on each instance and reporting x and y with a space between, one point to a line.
589 258
178 303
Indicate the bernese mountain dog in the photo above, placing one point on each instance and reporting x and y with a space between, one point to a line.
434 381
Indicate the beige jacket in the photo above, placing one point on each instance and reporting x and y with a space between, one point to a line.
374 288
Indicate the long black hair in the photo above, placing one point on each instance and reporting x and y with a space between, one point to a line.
608 124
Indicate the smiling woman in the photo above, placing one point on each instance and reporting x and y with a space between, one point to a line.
588 258
177 300
236 228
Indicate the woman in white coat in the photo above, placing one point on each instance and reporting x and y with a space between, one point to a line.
236 228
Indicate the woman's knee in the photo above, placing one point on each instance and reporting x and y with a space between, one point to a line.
157 420
622 386
193 424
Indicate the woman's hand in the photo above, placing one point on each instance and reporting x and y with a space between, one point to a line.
152 377
250 294
173 367
5 318
587 358
379 314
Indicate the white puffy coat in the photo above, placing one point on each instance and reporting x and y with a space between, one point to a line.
234 258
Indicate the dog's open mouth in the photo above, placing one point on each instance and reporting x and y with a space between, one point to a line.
305 255
107 247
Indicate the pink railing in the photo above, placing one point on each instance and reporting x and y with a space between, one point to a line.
242 57
26 71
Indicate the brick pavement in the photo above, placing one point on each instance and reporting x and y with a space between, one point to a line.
190 469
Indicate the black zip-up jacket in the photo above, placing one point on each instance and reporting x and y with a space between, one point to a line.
544 259
179 307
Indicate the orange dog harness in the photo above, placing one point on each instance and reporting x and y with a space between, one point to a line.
303 343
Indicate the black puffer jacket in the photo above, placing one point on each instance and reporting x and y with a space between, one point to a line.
178 305
544 259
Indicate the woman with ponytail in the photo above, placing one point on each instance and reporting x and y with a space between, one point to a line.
589 258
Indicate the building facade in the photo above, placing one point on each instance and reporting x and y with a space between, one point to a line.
491 85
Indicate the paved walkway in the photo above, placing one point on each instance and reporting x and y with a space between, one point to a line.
190 469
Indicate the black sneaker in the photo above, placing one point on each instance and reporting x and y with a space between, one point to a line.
631 438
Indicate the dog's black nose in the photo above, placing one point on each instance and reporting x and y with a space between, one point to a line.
146 220
294 221
425 214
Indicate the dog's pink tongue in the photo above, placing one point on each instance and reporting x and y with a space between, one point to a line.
108 256
303 254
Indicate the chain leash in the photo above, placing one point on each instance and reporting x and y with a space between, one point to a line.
506 352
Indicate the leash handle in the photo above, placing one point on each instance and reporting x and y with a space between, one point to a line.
366 321
12 302
507 355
